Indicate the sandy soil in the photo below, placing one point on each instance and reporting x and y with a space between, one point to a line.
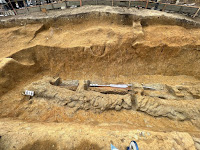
22 135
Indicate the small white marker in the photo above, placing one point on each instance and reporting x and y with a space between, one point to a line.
29 93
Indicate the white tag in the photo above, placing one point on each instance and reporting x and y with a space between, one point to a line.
29 93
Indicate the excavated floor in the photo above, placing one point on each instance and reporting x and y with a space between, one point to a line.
157 54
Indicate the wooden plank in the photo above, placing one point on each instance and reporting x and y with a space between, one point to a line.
196 13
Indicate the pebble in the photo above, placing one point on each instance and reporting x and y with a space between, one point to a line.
72 104
142 133
149 126
117 107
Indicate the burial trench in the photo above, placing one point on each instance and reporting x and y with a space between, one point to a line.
178 102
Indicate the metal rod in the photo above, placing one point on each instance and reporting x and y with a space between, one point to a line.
13 7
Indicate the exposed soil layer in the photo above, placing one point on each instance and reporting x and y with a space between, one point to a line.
159 56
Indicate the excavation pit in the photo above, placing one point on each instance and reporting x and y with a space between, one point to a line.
59 57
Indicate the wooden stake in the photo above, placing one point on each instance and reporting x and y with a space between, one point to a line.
147 3
112 2
80 2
